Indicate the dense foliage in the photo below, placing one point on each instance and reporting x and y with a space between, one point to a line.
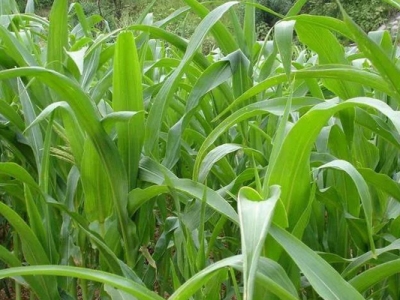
369 14
135 166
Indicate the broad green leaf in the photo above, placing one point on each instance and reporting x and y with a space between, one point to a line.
249 25
9 113
120 116
58 34
128 96
378 126
72 128
160 103
114 263
381 182
283 39
330 51
16 171
15 49
363 191
98 203
293 174
341 72
255 216
295 9
91 66
119 282
89 120
156 173
322 277
83 22
270 275
77 57
32 249
36 224
213 76
219 152
274 106
222 35
34 134
138 196
326 22
277 143
339 148
361 260
374 275
389 71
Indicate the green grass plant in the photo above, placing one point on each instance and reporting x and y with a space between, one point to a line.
136 166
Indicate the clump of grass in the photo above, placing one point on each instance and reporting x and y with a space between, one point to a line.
134 165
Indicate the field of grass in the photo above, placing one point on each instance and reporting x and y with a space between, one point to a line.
136 166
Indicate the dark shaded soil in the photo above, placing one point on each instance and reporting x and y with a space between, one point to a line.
8 293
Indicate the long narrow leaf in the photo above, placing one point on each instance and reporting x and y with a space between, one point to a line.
318 272
255 215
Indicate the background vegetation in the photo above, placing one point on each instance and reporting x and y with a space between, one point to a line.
369 14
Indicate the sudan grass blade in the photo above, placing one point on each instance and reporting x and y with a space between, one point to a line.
283 39
330 23
213 76
34 134
273 106
73 130
381 182
223 37
37 226
339 72
296 8
362 189
128 96
154 172
374 275
377 125
358 262
158 110
292 168
31 248
58 34
16 171
11 260
255 215
119 282
9 113
330 51
98 203
116 265
385 66
322 277
249 24
83 21
271 275
89 120
15 49
277 142
221 151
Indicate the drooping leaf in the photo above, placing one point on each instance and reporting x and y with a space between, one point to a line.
318 272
